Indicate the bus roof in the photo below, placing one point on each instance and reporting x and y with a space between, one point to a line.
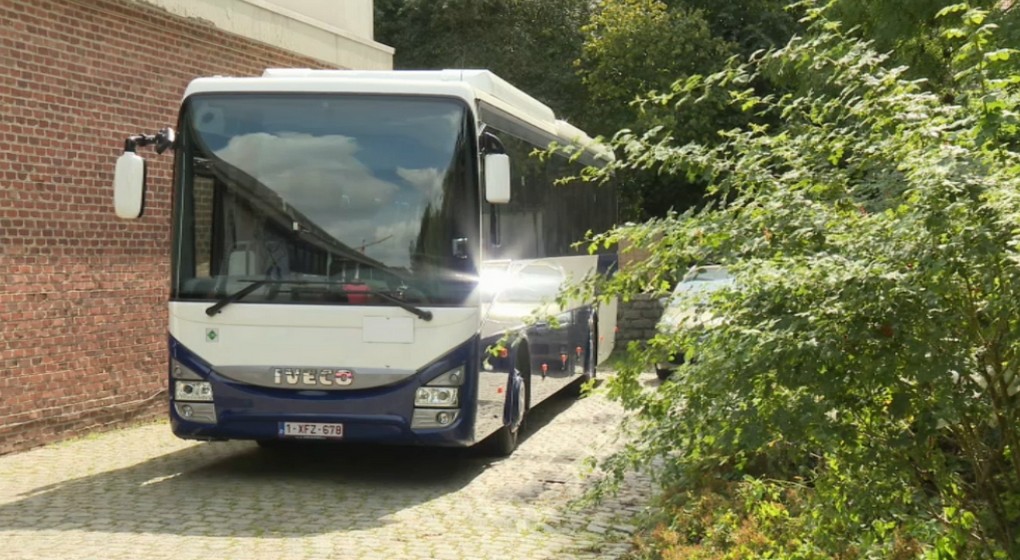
471 85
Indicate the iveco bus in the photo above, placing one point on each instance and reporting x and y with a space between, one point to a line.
356 256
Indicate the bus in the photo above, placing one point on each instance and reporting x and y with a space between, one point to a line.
373 256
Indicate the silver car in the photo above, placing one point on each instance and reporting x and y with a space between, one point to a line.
680 308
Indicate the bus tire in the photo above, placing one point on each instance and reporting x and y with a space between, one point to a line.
504 441
593 349
590 360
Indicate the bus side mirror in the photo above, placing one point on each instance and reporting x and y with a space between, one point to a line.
129 186
497 178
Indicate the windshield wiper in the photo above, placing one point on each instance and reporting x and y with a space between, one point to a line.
423 314
240 294
215 308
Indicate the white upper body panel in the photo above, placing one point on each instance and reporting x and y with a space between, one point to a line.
472 86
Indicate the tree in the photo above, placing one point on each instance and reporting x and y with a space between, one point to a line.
751 25
633 47
530 43
911 33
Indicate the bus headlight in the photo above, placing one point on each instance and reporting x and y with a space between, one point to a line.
436 396
192 391
433 401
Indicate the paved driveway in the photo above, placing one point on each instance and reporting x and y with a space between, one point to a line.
140 493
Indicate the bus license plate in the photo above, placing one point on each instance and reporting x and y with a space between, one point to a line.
311 430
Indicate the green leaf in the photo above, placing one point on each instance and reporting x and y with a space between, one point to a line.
999 55
952 9
954 33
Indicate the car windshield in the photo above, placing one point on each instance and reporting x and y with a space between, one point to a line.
325 198
705 280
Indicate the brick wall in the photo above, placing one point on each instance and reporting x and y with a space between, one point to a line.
82 294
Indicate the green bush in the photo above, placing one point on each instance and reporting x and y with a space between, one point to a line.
868 354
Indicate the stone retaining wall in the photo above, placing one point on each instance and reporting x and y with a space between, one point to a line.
636 319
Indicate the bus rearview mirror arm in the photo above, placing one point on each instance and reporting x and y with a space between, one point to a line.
130 174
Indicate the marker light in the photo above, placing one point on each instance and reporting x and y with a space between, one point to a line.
181 371
452 378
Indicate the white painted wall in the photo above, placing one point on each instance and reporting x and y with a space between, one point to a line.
353 16
337 32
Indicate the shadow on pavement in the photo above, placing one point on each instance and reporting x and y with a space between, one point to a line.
237 489
546 412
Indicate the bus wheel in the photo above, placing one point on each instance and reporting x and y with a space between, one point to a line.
593 349
590 359
504 442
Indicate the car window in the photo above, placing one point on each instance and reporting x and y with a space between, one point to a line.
705 280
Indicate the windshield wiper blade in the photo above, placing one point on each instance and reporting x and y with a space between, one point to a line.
239 294
423 314
215 308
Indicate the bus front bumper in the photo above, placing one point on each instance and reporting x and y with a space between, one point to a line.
379 428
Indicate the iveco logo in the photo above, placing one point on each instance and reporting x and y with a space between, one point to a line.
313 376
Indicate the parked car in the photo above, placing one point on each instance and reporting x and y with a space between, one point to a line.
680 308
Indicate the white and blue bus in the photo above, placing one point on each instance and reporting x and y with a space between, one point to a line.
349 248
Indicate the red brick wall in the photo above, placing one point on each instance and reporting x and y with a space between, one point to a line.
82 294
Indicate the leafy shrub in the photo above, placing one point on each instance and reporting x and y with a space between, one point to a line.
869 351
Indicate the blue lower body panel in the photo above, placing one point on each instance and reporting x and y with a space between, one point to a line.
377 415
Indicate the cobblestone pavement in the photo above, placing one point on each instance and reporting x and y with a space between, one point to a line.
140 493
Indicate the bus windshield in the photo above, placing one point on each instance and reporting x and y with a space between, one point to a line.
325 198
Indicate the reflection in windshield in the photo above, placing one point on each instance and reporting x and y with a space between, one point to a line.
535 283
362 191
374 213
704 285
707 279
